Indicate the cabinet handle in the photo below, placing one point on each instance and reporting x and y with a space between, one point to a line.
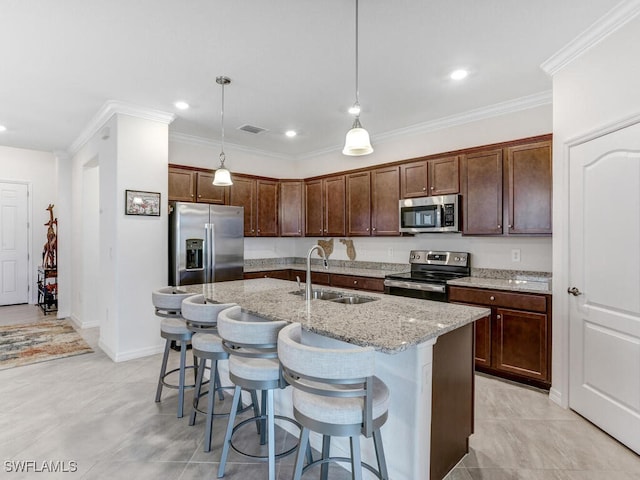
355 282
498 317
433 188
199 196
374 229
499 227
492 298
424 189
299 231
510 226
367 229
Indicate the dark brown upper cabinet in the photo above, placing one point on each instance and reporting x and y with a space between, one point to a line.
435 176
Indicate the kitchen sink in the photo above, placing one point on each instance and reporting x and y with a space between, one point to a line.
337 297
353 299
320 294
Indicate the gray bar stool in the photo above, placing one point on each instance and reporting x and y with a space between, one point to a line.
253 365
168 305
335 393
202 319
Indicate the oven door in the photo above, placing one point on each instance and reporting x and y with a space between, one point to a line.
424 291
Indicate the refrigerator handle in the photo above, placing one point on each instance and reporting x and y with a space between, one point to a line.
210 258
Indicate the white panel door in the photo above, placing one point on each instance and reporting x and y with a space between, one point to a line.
604 323
14 245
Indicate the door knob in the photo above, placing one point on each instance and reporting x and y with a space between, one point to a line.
574 291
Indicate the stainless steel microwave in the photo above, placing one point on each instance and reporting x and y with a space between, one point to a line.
430 214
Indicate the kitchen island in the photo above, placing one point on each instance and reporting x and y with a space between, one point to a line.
405 333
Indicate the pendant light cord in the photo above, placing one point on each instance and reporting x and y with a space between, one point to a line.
357 92
222 157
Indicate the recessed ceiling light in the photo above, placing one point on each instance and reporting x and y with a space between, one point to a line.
181 105
290 133
3 128
459 74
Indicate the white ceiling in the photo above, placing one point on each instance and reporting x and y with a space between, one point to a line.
291 63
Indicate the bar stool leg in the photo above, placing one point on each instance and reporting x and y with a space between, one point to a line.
356 461
183 362
227 436
163 369
303 445
326 447
382 463
209 426
196 395
263 418
271 431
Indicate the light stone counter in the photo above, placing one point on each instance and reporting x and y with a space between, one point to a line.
390 324
542 286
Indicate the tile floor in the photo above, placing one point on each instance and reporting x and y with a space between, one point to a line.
101 415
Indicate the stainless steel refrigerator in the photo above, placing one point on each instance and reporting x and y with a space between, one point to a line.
206 243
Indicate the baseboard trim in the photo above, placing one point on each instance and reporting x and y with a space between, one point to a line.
78 323
555 396
131 354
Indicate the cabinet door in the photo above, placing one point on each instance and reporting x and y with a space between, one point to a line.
482 191
520 344
207 192
414 179
313 213
181 185
267 208
482 329
291 195
358 203
385 193
281 274
242 194
529 176
334 206
444 176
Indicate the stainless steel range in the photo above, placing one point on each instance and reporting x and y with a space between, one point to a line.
429 273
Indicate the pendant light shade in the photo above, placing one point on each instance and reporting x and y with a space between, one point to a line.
357 141
222 177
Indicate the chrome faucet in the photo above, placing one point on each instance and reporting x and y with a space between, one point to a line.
308 293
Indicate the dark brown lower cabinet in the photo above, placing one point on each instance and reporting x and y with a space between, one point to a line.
281 274
452 400
515 342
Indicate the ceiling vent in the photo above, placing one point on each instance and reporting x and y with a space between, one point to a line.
252 129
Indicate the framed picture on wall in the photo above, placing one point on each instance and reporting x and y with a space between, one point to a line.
142 203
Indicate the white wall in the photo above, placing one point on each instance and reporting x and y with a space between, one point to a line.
38 170
598 88
204 154
131 249
488 252
521 124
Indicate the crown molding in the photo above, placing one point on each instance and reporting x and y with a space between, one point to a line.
495 110
114 107
205 142
602 28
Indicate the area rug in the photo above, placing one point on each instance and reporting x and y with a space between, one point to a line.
39 342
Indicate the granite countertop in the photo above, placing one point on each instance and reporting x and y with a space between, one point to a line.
390 324
512 280
542 286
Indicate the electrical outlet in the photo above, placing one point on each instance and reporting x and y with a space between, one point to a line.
515 255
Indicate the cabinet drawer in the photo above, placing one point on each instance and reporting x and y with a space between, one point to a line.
498 298
317 278
362 283
281 274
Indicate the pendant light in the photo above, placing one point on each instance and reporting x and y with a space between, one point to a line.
357 140
222 177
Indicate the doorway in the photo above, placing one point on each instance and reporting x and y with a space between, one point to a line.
604 280
14 243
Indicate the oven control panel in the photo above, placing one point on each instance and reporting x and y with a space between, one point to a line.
429 257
